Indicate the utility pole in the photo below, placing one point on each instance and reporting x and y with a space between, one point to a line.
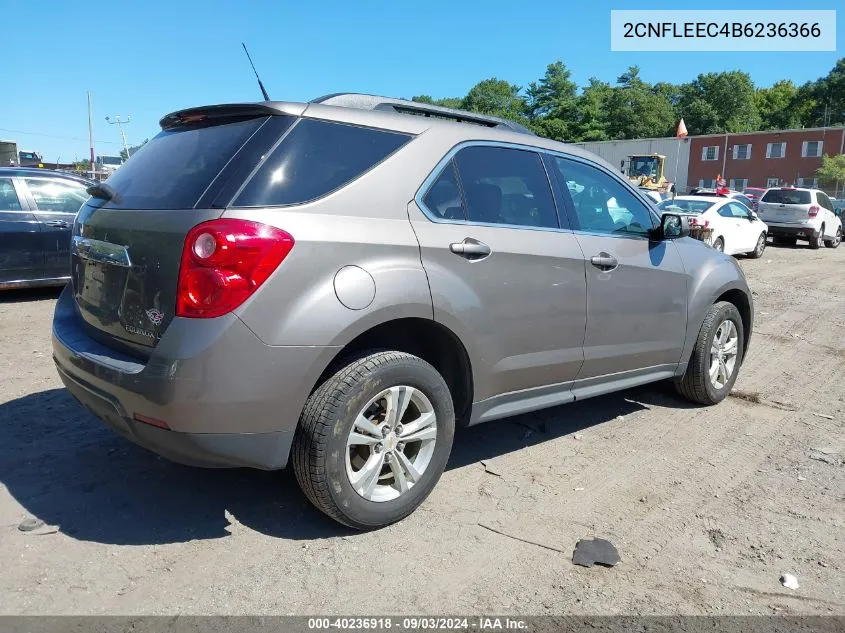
91 134
120 122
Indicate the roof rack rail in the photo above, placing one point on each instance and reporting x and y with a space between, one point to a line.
403 106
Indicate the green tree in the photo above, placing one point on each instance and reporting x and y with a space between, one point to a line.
775 106
552 102
133 149
822 98
635 110
719 102
498 98
832 171
448 102
591 112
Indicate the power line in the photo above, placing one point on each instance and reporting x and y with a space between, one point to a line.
65 138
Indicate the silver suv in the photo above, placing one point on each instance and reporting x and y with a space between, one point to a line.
340 283
807 214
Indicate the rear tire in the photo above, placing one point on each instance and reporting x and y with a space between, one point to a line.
757 253
697 384
836 241
325 460
817 242
719 245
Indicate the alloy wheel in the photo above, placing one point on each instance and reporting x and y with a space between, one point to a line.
391 443
723 353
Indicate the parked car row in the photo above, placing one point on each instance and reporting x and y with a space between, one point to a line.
784 214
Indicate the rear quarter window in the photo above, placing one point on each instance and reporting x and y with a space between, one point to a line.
314 159
784 196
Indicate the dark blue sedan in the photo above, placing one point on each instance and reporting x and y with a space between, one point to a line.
37 210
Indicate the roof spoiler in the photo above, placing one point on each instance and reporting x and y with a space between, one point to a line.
403 106
223 111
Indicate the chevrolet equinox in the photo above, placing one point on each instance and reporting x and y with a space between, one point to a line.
340 283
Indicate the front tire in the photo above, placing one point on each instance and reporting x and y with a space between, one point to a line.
836 241
716 357
757 253
374 438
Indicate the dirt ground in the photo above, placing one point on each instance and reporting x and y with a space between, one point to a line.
708 507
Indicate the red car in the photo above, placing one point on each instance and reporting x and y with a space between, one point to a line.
755 193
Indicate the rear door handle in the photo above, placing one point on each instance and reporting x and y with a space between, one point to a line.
57 223
604 261
470 249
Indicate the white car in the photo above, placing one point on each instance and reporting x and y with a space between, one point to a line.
736 228
794 213
657 196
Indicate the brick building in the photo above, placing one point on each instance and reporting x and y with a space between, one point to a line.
762 159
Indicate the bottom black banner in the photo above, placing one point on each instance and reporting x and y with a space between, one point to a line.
296 624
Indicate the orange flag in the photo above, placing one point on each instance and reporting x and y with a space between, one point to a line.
682 130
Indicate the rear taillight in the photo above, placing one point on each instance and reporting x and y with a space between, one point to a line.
814 211
223 262
702 223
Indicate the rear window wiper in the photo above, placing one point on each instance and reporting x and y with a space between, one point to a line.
103 191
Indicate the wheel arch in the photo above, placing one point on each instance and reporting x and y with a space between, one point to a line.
423 337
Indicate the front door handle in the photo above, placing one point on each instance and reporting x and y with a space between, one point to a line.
604 261
470 249
57 223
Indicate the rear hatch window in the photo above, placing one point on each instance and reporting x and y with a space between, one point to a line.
174 169
686 206
786 196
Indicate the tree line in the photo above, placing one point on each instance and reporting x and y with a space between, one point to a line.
712 103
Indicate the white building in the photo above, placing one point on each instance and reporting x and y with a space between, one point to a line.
676 153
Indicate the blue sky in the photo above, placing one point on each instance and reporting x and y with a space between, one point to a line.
153 57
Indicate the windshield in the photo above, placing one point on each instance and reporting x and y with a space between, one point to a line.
787 196
687 206
643 166
111 160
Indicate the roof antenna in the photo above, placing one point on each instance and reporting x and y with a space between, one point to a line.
260 85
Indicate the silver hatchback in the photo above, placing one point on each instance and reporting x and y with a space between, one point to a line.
339 283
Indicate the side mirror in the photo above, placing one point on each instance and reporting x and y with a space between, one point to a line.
672 227
753 216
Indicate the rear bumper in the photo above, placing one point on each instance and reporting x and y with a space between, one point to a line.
228 399
803 231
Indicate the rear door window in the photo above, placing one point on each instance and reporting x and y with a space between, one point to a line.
506 186
8 196
175 168
56 195
314 159
787 196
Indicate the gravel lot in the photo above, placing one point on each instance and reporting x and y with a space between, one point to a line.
706 506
